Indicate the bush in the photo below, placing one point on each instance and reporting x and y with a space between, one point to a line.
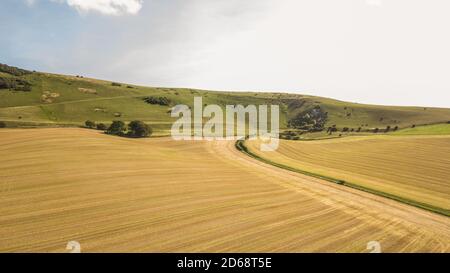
116 84
5 83
388 128
376 130
395 128
102 127
2 124
163 101
138 128
117 127
14 83
332 129
89 124
312 120
413 126
13 70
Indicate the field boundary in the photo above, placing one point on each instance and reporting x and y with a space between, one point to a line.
240 145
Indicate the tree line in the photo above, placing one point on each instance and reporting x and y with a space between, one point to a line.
134 129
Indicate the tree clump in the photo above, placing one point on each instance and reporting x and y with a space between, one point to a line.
14 83
139 129
163 101
101 127
135 129
89 124
117 127
312 120
11 70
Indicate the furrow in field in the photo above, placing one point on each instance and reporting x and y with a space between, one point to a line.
159 195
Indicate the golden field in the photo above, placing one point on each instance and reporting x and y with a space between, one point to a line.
412 167
156 195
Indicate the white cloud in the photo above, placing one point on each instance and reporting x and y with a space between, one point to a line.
108 7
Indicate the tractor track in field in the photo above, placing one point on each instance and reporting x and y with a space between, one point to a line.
161 195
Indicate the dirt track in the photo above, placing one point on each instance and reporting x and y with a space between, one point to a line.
157 195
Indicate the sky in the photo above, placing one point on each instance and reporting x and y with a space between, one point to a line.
390 52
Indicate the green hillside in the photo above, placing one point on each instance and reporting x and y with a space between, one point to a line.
71 100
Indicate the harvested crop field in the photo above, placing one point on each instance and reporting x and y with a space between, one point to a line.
412 167
156 195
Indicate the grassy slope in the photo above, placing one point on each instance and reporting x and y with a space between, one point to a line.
144 195
436 129
413 168
74 107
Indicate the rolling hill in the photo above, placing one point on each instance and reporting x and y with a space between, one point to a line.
61 100
115 194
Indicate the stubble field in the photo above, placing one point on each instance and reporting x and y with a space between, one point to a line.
156 195
412 167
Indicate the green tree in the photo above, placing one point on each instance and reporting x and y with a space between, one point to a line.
89 124
117 127
102 127
138 128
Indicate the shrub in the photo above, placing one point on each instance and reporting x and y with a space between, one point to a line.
376 130
101 126
163 101
14 83
388 128
5 83
332 129
117 127
138 128
2 124
13 70
345 129
312 120
413 126
89 124
115 84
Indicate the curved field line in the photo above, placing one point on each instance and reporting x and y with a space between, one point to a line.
240 145
159 195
